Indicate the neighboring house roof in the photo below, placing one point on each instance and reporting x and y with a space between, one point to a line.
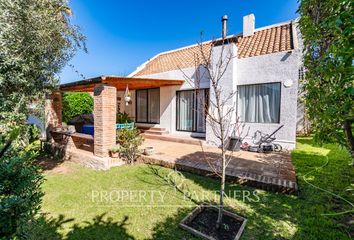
272 39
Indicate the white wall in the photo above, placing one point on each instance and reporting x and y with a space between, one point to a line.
277 67
168 97
227 84
179 74
130 109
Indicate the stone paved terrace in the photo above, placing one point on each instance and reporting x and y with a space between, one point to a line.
269 171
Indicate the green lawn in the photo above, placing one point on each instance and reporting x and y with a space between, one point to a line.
78 208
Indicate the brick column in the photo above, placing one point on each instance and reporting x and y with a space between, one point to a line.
53 112
105 104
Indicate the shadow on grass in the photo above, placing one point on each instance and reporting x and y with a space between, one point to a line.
169 229
99 228
279 216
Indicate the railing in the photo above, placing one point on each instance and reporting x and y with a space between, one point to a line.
125 125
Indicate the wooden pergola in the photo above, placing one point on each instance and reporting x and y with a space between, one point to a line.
104 90
120 83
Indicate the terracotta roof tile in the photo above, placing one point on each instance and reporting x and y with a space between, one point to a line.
270 40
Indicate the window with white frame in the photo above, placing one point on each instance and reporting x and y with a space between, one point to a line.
259 103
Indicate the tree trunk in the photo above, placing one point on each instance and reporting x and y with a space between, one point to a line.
349 136
222 189
5 148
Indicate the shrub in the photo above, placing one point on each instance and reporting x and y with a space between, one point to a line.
115 149
327 33
20 194
76 103
129 140
123 117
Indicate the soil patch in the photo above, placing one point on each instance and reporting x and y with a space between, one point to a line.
52 165
205 222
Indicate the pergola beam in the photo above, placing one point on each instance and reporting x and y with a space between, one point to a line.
119 83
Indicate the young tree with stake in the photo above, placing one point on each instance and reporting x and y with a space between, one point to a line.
212 62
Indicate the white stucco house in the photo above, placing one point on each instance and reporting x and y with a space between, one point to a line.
265 73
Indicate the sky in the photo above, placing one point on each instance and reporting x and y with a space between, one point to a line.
121 35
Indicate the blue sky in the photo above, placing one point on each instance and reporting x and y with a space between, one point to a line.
121 35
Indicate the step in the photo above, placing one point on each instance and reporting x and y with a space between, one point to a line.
155 132
151 128
170 138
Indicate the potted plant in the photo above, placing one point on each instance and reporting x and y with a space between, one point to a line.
124 121
114 152
149 151
123 117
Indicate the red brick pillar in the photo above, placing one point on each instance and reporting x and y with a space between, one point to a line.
105 104
53 112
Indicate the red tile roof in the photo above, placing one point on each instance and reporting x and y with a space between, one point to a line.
265 41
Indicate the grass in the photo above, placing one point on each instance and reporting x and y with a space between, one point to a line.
77 206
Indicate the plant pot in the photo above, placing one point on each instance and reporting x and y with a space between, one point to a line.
231 228
114 154
149 151
234 144
71 129
127 99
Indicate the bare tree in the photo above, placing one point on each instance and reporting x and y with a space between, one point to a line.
212 62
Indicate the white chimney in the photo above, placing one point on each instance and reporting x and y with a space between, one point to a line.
248 25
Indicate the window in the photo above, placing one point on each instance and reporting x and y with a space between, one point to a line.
191 106
148 105
259 103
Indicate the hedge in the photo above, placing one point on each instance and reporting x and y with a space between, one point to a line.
76 103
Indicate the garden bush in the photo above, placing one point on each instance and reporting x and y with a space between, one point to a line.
123 117
75 104
20 181
129 141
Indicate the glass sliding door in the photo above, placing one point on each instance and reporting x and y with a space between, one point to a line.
202 104
154 105
141 105
148 105
191 110
185 111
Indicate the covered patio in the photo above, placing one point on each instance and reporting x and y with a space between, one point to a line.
105 90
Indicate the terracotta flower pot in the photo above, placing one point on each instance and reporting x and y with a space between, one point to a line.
114 154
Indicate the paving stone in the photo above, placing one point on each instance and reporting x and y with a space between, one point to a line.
255 169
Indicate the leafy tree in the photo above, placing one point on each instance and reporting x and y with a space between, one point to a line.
327 30
75 104
36 41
